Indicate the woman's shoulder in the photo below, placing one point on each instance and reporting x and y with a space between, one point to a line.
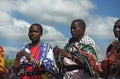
109 48
44 44
87 40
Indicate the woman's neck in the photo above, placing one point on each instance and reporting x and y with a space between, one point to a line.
79 38
34 43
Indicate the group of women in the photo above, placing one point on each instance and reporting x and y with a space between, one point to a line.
78 59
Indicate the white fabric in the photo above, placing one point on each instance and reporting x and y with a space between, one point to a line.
78 74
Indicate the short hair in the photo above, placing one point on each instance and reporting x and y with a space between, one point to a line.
117 22
81 22
39 26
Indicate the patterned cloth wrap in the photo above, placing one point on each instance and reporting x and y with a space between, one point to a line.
46 57
2 64
87 45
111 63
90 51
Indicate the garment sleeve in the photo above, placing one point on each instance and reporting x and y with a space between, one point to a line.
49 62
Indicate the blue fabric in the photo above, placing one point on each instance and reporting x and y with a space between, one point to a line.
48 62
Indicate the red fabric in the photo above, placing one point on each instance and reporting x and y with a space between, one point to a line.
31 77
112 58
33 49
29 68
96 67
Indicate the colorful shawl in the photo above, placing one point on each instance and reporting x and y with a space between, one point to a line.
2 64
110 64
46 57
87 46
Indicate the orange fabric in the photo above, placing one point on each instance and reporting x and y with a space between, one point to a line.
113 56
2 64
109 59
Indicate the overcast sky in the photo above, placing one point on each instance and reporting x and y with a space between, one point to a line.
56 16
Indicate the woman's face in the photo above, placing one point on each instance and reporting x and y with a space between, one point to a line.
116 29
34 33
76 30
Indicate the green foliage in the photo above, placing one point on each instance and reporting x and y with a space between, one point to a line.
8 62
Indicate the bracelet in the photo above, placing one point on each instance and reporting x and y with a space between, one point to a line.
73 59
38 63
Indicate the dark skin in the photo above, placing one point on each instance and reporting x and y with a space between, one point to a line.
34 35
77 33
116 30
35 32
115 44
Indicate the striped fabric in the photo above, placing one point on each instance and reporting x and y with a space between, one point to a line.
2 64
77 74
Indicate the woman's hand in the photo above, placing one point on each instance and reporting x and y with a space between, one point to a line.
58 51
116 44
19 55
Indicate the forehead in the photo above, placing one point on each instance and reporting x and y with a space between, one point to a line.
34 27
76 24
117 23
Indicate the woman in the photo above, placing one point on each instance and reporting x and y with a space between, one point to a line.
36 59
79 57
111 63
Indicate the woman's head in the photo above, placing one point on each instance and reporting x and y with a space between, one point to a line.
78 27
35 32
116 28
